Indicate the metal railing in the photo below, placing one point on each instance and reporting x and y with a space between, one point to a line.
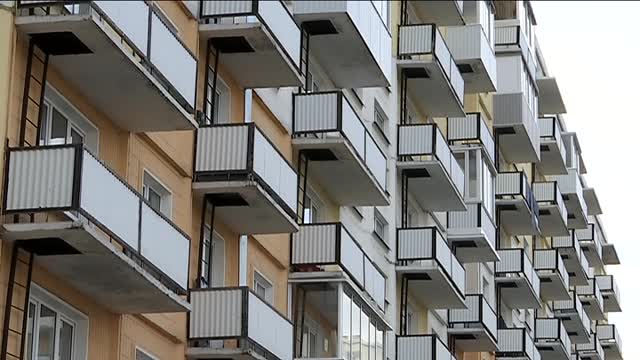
591 291
425 347
512 35
515 262
608 285
593 347
551 260
475 217
609 334
548 192
571 306
478 312
514 184
471 127
516 342
550 131
553 330
571 184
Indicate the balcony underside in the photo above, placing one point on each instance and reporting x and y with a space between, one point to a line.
552 350
611 350
591 199
341 172
550 99
107 75
592 308
577 276
441 12
590 251
572 322
83 256
433 189
431 92
610 254
577 218
516 217
203 353
611 303
431 285
516 145
478 80
517 293
265 65
551 221
551 160
474 338
471 245
552 287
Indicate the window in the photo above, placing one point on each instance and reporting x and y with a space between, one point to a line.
380 226
212 262
312 208
263 287
144 355
311 339
380 119
156 194
356 326
218 104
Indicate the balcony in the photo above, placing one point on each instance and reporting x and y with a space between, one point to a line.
515 204
592 202
610 293
469 131
574 152
573 257
237 314
431 72
549 96
442 12
252 32
518 282
105 49
473 54
610 341
552 339
574 318
572 193
345 160
426 347
553 154
592 300
554 279
510 38
517 128
472 233
434 273
324 248
553 213
610 254
475 328
355 31
239 169
434 177
591 350
145 254
516 343
591 245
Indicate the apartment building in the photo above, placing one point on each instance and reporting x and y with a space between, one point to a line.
278 180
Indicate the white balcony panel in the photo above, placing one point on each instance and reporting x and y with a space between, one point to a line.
471 49
591 243
516 343
440 12
572 193
552 211
519 282
592 300
574 259
473 235
550 99
517 128
591 350
552 340
610 293
610 341
574 318
554 278
472 129
422 347
515 204
553 152
475 328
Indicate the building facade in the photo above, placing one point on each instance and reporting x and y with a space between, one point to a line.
279 180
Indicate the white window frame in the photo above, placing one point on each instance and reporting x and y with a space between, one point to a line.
379 113
144 352
260 279
166 196
378 217
312 202
217 238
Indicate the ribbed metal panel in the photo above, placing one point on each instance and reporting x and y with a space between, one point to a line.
607 332
508 183
216 313
508 109
226 7
510 261
506 35
471 314
510 340
464 219
547 328
319 6
415 243
415 348
314 244
563 241
415 140
462 128
316 112
416 39
222 148
586 234
545 259
605 282
274 169
544 191
464 41
547 124
40 178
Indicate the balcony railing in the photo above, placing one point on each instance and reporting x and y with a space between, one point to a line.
320 245
516 342
592 298
551 260
471 223
570 186
513 110
471 128
589 238
512 36
609 338
549 192
426 347
514 262
516 184
591 349
552 330
416 245
239 313
477 314
417 40
553 215
608 285
550 131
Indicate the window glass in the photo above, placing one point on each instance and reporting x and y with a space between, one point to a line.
473 174
380 226
263 287
372 341
154 199
46 333
364 336
346 327
58 128
355 331
379 344
141 355
65 343
29 334
158 196
76 136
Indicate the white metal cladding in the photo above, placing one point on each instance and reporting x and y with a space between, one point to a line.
607 332
374 282
314 244
415 243
164 246
351 256
489 318
40 178
172 59
442 353
221 8
353 128
467 219
510 340
547 126
269 329
222 148
416 39
510 261
508 183
545 191
132 18
563 241
470 314
605 282
415 140
216 313
274 169
547 329
109 200
506 35
376 162
545 259
463 127
415 347
316 112
276 16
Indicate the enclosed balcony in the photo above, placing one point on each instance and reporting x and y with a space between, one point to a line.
326 249
239 169
516 205
472 233
572 193
510 38
573 257
426 347
435 276
610 341
518 282
592 202
475 328
104 49
434 177
591 350
473 53
472 130
591 245
552 339
344 159
516 343
349 39
554 279
553 213
610 293
553 154
230 323
610 254
99 219
574 318
431 74
251 32
517 128
592 300
441 12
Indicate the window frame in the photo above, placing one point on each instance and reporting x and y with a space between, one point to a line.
158 187
260 279
141 350
379 218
